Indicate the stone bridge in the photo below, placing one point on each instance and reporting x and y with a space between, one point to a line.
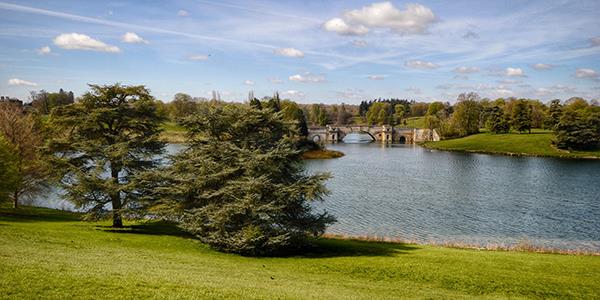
384 134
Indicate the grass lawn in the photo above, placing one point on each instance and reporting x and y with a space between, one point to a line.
415 122
538 143
51 254
322 154
173 133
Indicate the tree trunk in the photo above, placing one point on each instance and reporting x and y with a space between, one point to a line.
115 198
16 200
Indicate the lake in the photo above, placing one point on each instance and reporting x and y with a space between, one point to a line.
411 193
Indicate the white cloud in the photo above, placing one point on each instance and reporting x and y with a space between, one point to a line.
248 82
340 26
289 52
44 50
419 64
293 93
514 72
414 19
307 77
77 41
276 80
595 41
509 81
132 37
359 43
17 81
198 57
183 13
376 77
586 73
503 92
542 67
466 70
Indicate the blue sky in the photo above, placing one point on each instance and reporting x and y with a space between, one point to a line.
309 51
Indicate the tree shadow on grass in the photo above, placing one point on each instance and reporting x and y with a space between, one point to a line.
149 228
37 214
333 247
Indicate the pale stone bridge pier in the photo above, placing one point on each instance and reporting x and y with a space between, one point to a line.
383 134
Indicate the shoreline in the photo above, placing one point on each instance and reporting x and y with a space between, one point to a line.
567 155
524 247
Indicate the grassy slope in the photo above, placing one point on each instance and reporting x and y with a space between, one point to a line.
322 154
536 144
173 133
415 122
50 254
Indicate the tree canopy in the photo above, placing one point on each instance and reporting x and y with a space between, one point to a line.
104 141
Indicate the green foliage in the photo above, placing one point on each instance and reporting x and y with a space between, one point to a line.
554 113
538 143
182 106
399 113
434 108
44 102
497 121
9 173
104 141
578 129
521 116
465 119
377 113
292 113
50 254
23 132
240 186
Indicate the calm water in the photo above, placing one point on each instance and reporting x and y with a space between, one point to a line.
412 193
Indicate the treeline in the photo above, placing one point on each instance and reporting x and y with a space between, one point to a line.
239 185
575 121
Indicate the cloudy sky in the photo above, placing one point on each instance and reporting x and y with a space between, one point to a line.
310 51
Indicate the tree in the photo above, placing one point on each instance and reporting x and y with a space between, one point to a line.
465 119
578 129
182 106
322 118
342 115
22 132
377 113
521 116
398 113
111 137
497 122
293 113
434 108
8 168
554 113
274 103
240 186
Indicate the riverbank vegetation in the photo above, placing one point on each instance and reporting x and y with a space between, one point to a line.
572 128
52 254
538 143
322 154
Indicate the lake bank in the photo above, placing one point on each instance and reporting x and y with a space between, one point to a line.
536 144
90 260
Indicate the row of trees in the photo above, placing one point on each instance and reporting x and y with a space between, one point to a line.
576 122
238 186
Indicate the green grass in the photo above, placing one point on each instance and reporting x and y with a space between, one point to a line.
173 133
51 254
538 143
415 122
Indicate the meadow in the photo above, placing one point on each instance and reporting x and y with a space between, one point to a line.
53 254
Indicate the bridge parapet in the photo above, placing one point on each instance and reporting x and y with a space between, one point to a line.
384 133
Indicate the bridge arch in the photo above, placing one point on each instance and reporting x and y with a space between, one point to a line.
402 139
345 134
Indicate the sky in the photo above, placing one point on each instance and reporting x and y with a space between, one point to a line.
308 51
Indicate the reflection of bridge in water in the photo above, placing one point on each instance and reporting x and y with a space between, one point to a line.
384 134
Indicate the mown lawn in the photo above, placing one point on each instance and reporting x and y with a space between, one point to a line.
173 133
415 122
538 143
51 254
